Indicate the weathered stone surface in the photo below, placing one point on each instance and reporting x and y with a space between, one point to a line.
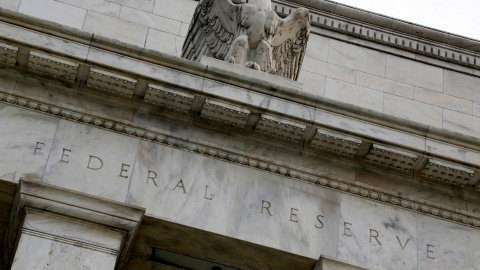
354 94
358 58
368 228
461 85
116 29
329 70
385 85
414 73
84 155
100 6
145 5
413 110
462 123
25 156
64 14
444 101
150 20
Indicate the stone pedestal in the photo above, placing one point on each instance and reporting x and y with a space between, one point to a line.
54 228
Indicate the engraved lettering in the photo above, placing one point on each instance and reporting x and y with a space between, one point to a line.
64 155
320 225
97 165
180 184
152 175
375 235
266 207
205 196
346 230
430 252
124 170
293 216
37 147
400 242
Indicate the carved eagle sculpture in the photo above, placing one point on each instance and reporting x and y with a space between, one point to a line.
249 33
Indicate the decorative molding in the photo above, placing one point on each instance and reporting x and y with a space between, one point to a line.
384 197
70 241
385 36
169 98
111 82
336 143
391 158
280 128
225 113
8 54
449 173
52 66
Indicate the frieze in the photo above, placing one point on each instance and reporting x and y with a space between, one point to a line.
96 162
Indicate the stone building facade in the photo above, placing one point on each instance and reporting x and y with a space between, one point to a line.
116 153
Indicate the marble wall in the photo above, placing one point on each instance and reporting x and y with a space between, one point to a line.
240 201
387 81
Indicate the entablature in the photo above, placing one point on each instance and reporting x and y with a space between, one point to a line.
218 96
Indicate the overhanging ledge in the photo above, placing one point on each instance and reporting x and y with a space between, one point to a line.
39 202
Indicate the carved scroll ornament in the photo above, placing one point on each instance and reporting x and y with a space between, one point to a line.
249 33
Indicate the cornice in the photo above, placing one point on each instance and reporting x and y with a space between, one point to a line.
149 134
388 31
221 92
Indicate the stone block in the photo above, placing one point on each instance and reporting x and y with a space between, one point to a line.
216 195
81 155
7 84
145 5
10 4
462 123
354 94
318 47
367 129
440 250
367 228
150 20
121 30
164 42
329 70
184 29
385 85
54 11
356 57
450 151
462 85
149 70
444 101
24 156
414 73
313 83
476 109
100 6
20 34
413 110
180 10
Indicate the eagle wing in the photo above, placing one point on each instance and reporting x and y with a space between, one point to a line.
290 43
212 30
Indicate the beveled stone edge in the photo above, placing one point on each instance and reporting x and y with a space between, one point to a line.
363 191
33 195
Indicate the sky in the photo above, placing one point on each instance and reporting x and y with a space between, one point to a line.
461 17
